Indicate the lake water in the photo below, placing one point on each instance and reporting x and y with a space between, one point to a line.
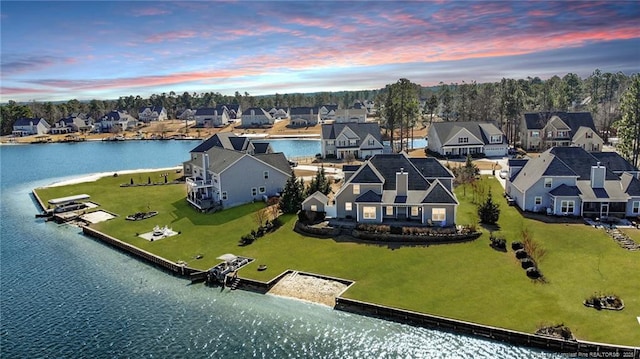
68 296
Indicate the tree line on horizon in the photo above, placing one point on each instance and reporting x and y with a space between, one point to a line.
400 106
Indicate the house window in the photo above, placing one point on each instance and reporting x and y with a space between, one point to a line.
369 212
389 210
496 138
549 134
463 139
347 206
589 135
330 142
224 196
415 211
438 214
356 189
254 191
266 174
314 208
262 189
371 142
566 206
635 207
548 182
538 201
535 134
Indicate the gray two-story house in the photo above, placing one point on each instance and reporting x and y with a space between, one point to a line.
572 181
462 138
361 140
392 188
218 177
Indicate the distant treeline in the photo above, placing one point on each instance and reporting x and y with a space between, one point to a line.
503 101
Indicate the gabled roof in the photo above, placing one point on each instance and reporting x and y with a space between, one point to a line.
261 147
565 191
157 109
332 130
221 158
439 194
537 120
299 111
431 168
277 160
556 168
317 195
210 111
517 162
481 130
370 197
259 111
27 121
630 184
367 174
580 161
222 140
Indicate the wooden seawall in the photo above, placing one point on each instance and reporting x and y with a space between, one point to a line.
573 348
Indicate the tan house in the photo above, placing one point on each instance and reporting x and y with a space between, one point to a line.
544 130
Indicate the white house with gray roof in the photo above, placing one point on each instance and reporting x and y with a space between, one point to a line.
462 138
218 116
30 126
219 177
256 117
572 181
394 187
361 140
543 130
152 113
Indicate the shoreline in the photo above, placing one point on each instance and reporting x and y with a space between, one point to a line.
96 176
365 308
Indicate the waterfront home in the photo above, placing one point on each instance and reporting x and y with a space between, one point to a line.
394 187
462 138
218 116
279 113
187 115
256 117
349 115
231 141
304 116
30 126
152 113
543 130
572 181
76 122
218 177
361 140
117 119
328 112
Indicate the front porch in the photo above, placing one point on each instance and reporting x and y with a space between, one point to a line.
462 151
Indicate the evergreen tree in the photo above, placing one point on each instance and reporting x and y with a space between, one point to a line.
629 125
292 196
488 211
319 183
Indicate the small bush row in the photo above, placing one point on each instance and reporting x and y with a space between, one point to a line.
268 227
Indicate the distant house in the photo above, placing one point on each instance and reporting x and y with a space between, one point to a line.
394 187
230 141
119 119
62 126
279 113
256 117
348 115
30 126
328 112
572 181
304 116
152 113
187 115
361 140
218 116
543 130
76 122
462 138
217 177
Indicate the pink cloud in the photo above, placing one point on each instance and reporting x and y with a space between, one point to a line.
171 36
150 12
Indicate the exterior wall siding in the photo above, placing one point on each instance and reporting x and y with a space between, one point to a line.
251 172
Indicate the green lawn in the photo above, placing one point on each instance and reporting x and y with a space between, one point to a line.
468 281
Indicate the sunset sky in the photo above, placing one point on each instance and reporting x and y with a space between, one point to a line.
54 51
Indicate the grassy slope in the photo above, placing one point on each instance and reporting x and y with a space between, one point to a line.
467 281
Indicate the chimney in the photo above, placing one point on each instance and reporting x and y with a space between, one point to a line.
402 182
205 166
598 173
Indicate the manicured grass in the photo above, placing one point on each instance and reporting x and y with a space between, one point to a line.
468 281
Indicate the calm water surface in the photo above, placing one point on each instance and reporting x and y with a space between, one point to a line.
67 296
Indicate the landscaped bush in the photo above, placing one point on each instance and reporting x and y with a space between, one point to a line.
598 301
527 263
396 230
247 239
498 243
516 245
533 273
521 254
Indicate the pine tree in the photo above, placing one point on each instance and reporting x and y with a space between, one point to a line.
292 196
319 183
488 211
629 125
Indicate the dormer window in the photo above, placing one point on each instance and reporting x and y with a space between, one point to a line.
496 138
463 139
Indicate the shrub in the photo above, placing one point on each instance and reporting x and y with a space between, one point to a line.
527 263
533 273
521 254
535 250
247 239
516 245
396 230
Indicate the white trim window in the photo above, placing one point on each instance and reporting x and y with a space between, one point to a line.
254 191
369 212
266 174
356 189
224 196
348 206
314 207
415 211
567 206
548 182
389 210
496 138
537 201
438 214
262 189
635 207
535 134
